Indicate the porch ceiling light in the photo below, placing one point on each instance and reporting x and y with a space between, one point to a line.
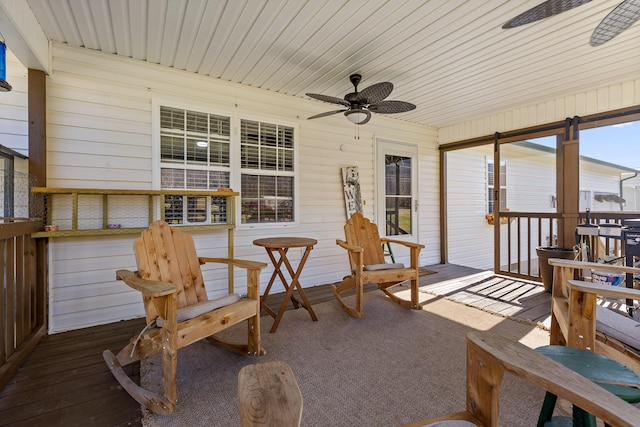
358 116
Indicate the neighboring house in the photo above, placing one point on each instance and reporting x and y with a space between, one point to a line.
529 171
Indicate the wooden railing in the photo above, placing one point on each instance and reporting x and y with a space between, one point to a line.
524 231
23 300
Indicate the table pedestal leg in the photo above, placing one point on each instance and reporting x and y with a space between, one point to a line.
293 285
276 273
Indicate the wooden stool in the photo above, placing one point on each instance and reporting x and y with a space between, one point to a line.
607 373
268 395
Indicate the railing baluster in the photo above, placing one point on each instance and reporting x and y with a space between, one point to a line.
22 305
519 245
529 246
546 224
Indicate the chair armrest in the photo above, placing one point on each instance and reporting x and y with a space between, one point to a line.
547 374
489 356
402 242
604 290
350 248
241 263
583 265
150 288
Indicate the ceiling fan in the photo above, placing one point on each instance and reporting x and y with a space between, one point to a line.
360 105
618 20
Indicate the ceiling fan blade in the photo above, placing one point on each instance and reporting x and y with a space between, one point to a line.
618 20
328 113
543 10
375 93
327 98
391 107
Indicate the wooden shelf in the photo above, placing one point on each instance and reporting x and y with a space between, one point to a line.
150 207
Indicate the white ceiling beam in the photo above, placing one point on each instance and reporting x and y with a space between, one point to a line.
24 36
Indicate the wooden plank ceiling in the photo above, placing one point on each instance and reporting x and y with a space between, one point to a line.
450 58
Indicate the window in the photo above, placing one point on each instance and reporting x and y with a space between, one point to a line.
266 157
491 187
196 153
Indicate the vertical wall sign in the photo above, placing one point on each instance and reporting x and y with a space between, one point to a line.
351 185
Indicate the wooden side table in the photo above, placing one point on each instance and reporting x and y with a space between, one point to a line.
281 246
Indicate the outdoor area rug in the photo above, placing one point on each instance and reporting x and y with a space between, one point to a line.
390 367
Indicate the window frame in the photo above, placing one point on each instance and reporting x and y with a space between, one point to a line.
490 188
235 167
238 171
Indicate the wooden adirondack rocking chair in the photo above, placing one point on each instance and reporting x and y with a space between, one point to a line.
364 245
178 311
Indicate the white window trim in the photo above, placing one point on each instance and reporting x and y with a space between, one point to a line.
407 149
503 186
236 170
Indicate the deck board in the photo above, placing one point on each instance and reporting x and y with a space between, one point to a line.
506 296
66 382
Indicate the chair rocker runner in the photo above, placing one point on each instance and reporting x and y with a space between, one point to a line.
366 257
178 312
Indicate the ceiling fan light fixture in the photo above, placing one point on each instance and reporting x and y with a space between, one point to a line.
360 105
358 116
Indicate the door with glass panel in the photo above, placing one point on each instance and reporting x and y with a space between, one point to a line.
396 186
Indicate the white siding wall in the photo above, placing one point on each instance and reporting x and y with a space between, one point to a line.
531 183
599 178
631 194
99 111
470 237
597 100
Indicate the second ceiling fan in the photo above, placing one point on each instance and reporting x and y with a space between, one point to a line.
360 105
618 20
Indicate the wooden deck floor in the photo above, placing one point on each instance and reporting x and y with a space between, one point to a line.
65 382
506 296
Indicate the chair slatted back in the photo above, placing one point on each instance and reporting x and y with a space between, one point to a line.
169 255
359 231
